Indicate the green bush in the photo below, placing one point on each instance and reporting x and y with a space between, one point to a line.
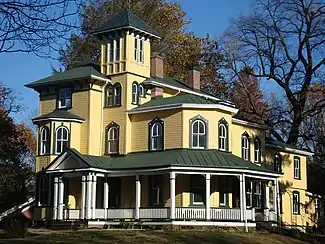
126 225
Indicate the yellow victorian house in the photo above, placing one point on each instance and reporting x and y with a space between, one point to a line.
124 142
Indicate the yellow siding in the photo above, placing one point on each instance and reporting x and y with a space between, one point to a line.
172 127
95 113
47 104
236 133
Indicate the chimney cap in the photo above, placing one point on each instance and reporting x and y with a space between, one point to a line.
157 55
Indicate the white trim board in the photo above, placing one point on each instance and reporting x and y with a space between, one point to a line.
290 150
251 124
58 119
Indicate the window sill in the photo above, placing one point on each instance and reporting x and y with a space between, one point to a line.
297 178
65 108
113 106
296 213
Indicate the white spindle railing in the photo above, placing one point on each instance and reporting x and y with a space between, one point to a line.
272 216
72 214
225 214
99 213
154 213
250 214
126 213
190 213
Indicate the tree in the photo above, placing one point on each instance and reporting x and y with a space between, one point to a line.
36 26
283 41
180 48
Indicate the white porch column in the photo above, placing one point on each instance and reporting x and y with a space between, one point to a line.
93 198
83 195
244 203
137 197
172 179
275 197
88 197
241 197
267 201
61 198
56 198
106 195
207 196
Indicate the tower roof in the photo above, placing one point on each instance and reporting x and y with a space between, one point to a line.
126 20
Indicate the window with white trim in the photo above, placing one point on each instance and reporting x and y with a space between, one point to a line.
223 137
198 190
64 98
277 163
249 194
112 138
245 146
61 139
117 49
138 49
156 130
199 134
113 95
43 189
110 50
257 150
258 195
44 141
296 202
142 92
296 166
135 93
117 94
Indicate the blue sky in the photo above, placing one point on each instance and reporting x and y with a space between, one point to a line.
208 16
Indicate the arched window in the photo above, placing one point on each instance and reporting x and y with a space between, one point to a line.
117 94
245 145
277 163
198 130
135 93
112 138
61 139
156 133
223 135
142 91
44 141
113 95
257 150
296 202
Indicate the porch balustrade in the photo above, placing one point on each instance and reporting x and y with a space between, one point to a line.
72 214
232 214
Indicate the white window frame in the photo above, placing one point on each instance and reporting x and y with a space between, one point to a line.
222 137
295 204
249 192
139 49
62 140
258 193
296 166
116 94
277 163
245 147
135 94
156 135
117 50
141 91
198 134
112 139
257 150
43 141
64 94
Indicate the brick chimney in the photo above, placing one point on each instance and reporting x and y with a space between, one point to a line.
157 66
193 79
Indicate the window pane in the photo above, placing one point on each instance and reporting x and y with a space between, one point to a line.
195 127
195 140
117 50
198 198
58 146
64 145
201 127
201 141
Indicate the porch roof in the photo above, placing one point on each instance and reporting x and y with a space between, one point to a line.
174 157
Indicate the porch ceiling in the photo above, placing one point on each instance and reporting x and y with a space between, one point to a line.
177 157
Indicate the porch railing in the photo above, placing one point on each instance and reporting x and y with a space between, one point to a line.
250 214
124 213
154 213
225 214
189 213
72 214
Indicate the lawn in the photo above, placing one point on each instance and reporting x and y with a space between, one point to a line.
144 236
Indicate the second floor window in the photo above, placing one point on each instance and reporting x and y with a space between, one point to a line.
142 91
156 132
112 138
223 135
296 202
114 50
113 95
297 172
44 141
61 139
198 134
257 150
277 163
138 50
135 93
245 145
64 98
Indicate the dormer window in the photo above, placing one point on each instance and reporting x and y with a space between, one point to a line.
64 98
138 50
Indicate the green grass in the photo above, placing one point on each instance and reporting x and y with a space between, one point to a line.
157 237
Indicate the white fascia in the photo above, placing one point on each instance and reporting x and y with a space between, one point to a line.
251 124
100 78
290 150
58 119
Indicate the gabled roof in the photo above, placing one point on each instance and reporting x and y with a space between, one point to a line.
126 20
176 157
59 114
269 142
78 73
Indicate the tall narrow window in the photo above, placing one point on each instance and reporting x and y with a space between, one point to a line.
249 194
136 49
198 134
297 172
198 190
135 93
111 50
43 187
64 98
258 195
156 132
117 94
113 95
117 49
141 58
112 138
155 190
257 150
296 202
223 135
44 141
142 91
245 141
61 140
277 163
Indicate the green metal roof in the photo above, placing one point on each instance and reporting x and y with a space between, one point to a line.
175 157
60 114
69 75
179 99
125 20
